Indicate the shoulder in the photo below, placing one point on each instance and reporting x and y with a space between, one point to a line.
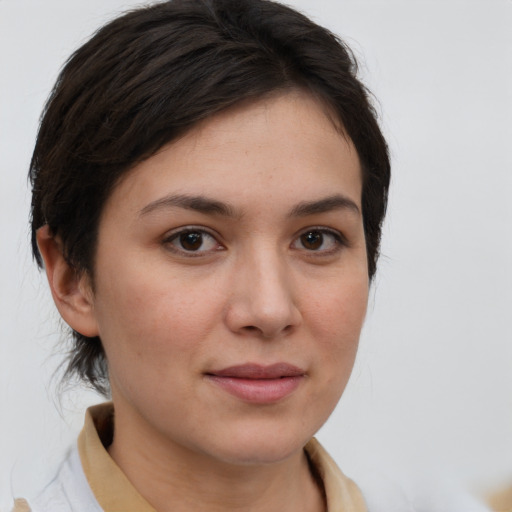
502 501
69 491
20 505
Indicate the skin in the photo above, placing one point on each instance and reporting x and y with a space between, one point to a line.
269 280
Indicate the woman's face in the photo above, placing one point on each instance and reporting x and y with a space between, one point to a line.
231 282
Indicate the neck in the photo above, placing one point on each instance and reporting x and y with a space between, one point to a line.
174 478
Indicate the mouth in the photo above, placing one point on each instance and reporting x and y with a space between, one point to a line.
258 384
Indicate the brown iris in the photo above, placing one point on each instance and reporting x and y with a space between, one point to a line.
312 240
191 241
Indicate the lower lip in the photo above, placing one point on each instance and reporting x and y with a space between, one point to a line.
258 391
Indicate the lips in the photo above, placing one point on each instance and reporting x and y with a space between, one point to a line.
256 383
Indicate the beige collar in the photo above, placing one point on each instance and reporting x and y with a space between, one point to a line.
501 501
114 492
112 489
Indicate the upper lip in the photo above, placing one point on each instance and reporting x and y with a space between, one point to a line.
258 371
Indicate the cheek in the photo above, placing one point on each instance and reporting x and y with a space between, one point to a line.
337 312
149 316
336 319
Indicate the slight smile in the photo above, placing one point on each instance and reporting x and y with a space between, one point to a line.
258 384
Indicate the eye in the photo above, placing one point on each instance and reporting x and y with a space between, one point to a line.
319 240
192 241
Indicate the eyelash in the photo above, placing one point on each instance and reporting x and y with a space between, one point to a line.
338 239
189 230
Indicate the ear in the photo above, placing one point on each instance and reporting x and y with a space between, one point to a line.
71 291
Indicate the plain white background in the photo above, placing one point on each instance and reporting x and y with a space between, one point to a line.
430 398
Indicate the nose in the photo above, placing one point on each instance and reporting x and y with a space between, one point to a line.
263 302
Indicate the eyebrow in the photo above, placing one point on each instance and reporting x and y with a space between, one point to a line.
198 203
211 206
334 202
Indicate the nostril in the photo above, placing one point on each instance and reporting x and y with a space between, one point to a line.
267 333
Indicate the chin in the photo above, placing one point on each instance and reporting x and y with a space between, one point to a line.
260 446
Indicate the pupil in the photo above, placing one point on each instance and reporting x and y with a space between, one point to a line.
312 240
191 241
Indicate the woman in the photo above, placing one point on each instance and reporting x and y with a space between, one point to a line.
209 183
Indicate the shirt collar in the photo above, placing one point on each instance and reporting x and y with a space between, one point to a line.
114 492
109 484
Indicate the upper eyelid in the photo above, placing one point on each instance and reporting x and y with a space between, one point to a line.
340 243
324 229
213 233
184 229
172 235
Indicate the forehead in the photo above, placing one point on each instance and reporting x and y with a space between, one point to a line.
274 148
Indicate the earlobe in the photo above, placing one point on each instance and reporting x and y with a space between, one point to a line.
71 291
